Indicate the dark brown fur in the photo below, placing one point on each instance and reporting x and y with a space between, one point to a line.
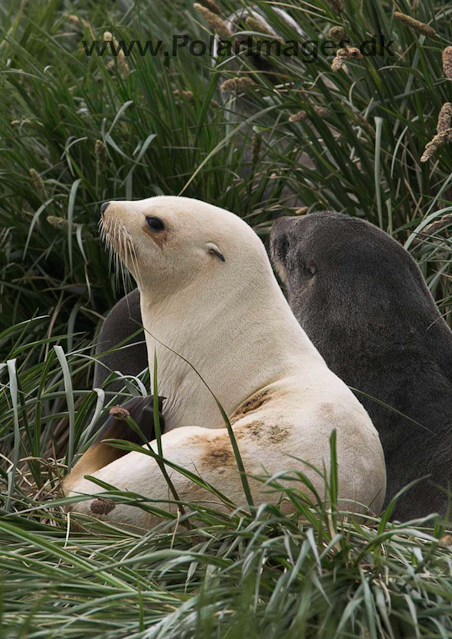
363 302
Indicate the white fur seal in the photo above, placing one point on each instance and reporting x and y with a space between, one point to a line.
208 292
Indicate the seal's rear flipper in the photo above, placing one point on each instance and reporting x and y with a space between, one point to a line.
101 453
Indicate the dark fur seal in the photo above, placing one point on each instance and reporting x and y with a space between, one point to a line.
363 302
121 323
122 326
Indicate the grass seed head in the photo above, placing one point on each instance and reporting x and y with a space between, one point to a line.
108 37
447 62
337 63
416 25
444 117
188 95
258 26
337 5
321 111
119 412
364 123
338 34
58 222
256 145
237 84
123 66
439 140
214 22
100 151
38 184
102 506
78 22
209 4
445 541
349 53
297 117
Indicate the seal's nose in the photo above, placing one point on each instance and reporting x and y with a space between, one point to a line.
103 208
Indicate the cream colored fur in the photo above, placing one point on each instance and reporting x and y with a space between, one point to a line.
231 321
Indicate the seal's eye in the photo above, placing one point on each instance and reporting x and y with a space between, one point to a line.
155 223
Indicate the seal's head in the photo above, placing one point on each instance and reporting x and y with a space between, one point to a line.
168 242
340 271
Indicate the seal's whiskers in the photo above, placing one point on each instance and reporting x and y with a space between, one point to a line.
121 251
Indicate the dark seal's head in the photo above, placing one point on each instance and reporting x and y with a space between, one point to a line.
345 276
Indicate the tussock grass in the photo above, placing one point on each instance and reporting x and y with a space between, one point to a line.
76 131
253 573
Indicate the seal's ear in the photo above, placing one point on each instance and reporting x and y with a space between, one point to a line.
311 267
213 248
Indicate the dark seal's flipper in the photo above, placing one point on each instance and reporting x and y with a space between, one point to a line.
123 321
101 453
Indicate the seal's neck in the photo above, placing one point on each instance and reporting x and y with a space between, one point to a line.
239 338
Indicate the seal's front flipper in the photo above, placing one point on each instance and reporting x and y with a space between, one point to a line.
101 453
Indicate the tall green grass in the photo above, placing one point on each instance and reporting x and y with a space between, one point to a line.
256 574
75 131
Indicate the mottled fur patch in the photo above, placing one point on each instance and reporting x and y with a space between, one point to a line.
277 434
258 430
218 453
253 430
